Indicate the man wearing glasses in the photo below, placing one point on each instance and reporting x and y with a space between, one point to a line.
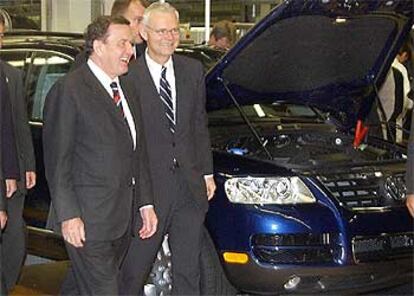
171 92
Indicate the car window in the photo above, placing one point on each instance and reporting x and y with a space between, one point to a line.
45 70
17 58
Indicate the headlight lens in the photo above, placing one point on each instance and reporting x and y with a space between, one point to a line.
250 190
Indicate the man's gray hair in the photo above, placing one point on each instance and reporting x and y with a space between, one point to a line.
158 6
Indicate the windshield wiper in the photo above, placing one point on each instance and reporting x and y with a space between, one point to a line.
246 119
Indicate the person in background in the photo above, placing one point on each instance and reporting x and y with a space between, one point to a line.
171 92
9 167
222 35
14 235
133 11
94 152
394 97
409 177
405 58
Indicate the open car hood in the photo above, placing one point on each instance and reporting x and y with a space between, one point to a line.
326 53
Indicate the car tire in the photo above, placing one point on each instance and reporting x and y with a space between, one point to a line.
213 279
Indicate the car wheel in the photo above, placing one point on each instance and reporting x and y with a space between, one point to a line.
160 281
213 280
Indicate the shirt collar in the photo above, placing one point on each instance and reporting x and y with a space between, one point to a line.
101 75
154 65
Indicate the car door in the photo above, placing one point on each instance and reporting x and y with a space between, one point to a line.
42 68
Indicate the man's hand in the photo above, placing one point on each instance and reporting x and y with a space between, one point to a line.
149 222
30 179
3 219
211 186
73 231
11 187
409 202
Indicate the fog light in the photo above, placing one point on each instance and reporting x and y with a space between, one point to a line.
239 258
292 283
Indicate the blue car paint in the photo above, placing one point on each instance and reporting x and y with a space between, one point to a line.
232 225
330 94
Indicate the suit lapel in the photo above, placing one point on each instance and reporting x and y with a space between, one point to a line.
103 98
181 92
101 94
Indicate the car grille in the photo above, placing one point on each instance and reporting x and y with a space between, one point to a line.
382 247
296 248
362 190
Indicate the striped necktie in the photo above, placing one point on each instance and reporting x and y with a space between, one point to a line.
166 98
117 97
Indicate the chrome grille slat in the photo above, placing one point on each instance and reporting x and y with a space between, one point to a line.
362 190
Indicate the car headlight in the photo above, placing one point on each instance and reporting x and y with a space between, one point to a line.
284 190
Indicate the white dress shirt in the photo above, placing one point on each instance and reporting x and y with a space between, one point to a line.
155 71
106 81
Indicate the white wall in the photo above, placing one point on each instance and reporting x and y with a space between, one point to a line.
71 15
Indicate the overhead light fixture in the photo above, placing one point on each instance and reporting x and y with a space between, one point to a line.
259 110
340 20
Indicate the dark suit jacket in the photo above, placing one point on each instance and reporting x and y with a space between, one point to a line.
89 156
409 177
9 168
25 152
190 145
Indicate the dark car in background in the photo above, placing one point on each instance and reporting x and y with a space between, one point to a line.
298 208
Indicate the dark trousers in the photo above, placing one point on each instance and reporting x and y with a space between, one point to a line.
3 290
14 241
183 221
95 267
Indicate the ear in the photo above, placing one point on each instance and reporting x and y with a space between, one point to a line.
144 33
98 47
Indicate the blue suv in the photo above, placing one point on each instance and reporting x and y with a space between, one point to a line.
299 207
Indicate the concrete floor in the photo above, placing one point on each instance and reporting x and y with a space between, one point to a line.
45 278
41 279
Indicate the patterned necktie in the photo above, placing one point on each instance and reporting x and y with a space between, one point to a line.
117 97
166 98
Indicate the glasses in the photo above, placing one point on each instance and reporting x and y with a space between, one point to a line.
165 32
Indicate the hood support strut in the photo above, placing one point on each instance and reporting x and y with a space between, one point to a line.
246 119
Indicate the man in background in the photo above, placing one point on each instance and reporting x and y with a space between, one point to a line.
9 168
14 235
409 177
222 35
132 10
395 99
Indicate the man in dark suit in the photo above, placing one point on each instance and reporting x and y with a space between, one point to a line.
409 178
8 157
95 154
9 168
132 10
171 92
14 235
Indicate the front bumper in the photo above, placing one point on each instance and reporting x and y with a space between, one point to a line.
256 278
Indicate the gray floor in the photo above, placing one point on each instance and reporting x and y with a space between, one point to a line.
42 277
